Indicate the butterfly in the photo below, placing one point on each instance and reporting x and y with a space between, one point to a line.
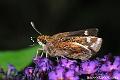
81 44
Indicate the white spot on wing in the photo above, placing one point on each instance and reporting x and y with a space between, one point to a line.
96 46
86 32
88 39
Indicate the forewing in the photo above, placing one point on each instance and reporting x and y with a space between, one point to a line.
91 42
75 47
87 32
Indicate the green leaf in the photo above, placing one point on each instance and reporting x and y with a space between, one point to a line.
19 58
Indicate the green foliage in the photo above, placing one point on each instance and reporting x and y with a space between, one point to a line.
19 58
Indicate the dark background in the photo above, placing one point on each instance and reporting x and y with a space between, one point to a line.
54 16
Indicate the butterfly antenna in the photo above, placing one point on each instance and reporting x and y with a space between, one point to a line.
32 24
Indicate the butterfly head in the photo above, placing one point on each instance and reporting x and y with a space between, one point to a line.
42 39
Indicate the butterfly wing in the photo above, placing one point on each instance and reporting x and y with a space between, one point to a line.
71 50
87 32
75 47
80 44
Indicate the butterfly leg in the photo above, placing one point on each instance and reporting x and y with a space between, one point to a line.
38 51
62 56
57 59
46 55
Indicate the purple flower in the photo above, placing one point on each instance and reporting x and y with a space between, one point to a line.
66 62
116 63
116 75
70 75
61 74
108 66
43 64
69 64
10 69
29 71
106 58
89 67
75 68
98 69
58 74
117 58
37 59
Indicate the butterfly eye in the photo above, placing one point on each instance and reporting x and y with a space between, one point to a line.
44 41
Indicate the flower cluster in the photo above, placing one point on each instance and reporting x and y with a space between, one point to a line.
11 74
66 69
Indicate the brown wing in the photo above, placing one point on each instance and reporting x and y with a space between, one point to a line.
71 50
87 32
75 47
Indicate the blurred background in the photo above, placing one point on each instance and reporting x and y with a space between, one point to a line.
54 16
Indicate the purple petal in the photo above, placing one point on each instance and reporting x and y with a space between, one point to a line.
116 75
89 67
70 75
